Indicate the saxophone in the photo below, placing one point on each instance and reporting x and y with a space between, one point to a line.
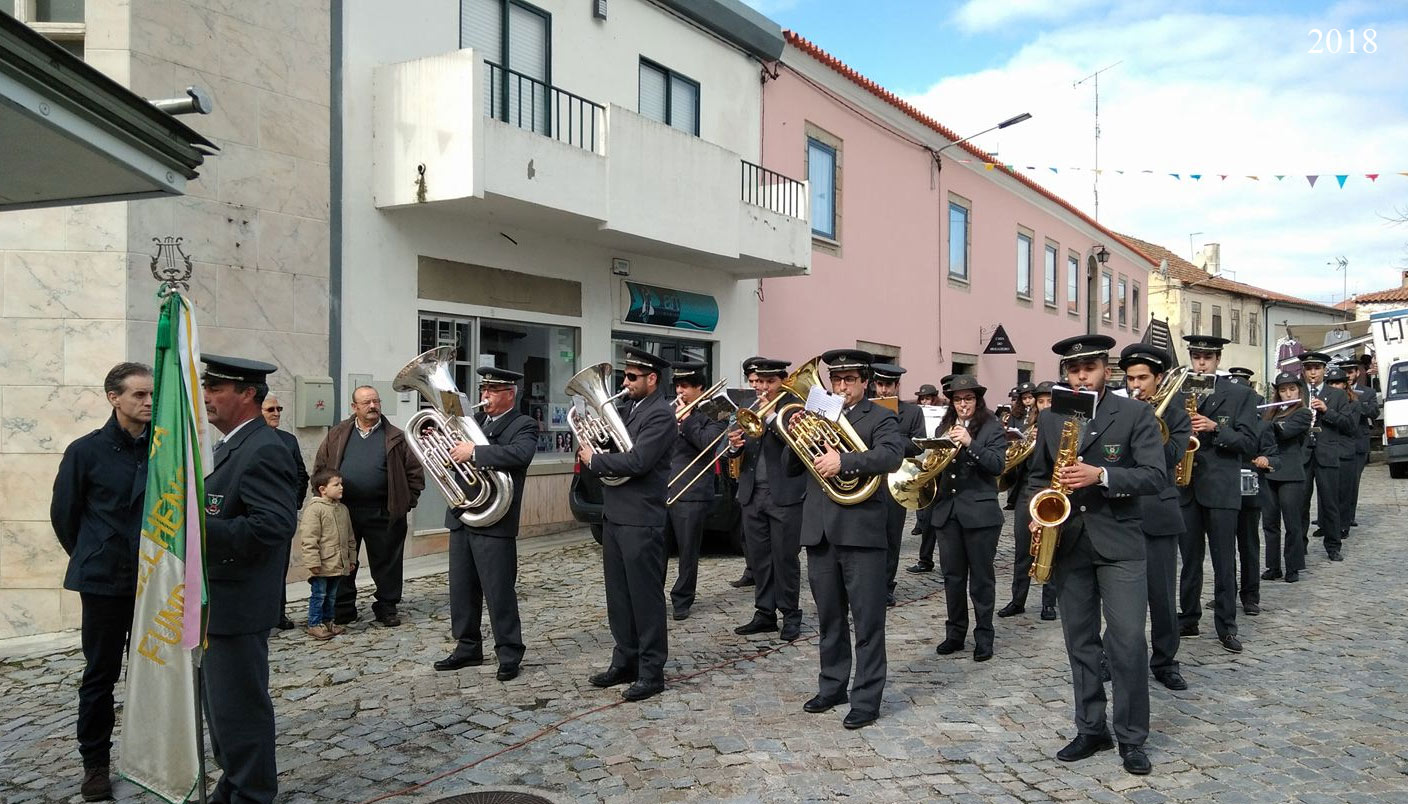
1183 473
1052 505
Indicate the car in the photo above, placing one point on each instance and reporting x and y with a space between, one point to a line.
723 528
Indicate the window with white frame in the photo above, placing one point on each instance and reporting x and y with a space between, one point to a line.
1024 265
1073 284
1121 294
1135 319
669 97
1106 283
960 214
1049 283
1235 333
60 20
821 174
1195 317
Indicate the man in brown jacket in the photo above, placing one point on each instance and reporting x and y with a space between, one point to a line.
382 481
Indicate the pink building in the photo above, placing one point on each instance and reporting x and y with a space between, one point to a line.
921 257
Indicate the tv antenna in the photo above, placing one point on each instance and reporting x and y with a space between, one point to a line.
1095 79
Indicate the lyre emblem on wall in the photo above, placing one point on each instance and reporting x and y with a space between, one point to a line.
170 265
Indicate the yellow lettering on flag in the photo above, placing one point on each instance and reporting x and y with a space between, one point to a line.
165 628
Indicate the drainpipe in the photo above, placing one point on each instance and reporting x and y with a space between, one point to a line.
335 206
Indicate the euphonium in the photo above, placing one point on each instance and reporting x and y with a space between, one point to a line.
1183 473
480 497
1164 394
915 484
1017 454
1051 506
600 426
812 432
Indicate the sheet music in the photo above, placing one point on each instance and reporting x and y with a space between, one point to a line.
824 403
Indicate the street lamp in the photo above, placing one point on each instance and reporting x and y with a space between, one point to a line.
1011 121
1102 254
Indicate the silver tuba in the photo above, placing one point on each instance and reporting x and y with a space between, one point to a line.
480 497
600 426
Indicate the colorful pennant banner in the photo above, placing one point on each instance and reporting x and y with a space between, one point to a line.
1340 178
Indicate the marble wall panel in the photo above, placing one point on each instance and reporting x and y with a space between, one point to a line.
252 54
176 31
95 227
31 353
307 194
33 229
30 556
214 232
142 302
46 419
153 76
258 179
91 348
50 284
293 126
253 299
115 64
30 611
28 480
310 305
293 245
141 339
308 76
236 114
109 25
147 219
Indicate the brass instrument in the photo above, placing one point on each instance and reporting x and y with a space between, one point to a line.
1206 385
915 484
480 497
811 434
709 395
1018 451
600 426
1051 506
1164 394
746 419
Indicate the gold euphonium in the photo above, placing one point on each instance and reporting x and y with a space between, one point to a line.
915 484
811 433
1051 506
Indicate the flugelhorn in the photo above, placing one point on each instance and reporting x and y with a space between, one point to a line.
480 497
599 425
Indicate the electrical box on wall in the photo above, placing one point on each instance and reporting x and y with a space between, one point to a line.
312 402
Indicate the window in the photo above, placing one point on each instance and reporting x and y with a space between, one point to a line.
1049 288
675 350
1252 332
1135 319
958 237
821 172
1024 265
1106 280
964 363
669 97
1235 334
1073 284
1195 318
1216 321
62 21
515 39
1123 293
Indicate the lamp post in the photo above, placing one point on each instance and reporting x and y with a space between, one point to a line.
1011 121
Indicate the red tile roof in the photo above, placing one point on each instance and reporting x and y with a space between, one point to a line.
802 44
1188 273
1398 294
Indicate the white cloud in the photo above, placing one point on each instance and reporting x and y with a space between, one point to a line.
1212 94
987 15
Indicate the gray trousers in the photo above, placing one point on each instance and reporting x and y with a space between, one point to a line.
633 563
1088 585
1213 530
385 538
1281 502
772 536
966 558
842 578
686 522
484 569
894 534
241 717
1161 570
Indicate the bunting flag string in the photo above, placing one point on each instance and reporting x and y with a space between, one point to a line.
1311 178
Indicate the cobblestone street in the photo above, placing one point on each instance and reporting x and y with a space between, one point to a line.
1313 711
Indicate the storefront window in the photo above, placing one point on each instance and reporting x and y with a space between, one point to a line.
675 350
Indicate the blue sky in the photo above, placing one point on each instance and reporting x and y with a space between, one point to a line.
1202 87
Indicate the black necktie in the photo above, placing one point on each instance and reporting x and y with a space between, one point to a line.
220 447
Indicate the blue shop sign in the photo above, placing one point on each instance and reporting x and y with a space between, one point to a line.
677 309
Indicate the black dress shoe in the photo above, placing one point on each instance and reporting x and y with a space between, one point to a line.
97 784
1171 679
344 619
757 625
1230 643
1354 524
389 619
1292 576
949 646
1048 612
457 660
641 690
1011 609
681 614
612 676
1135 760
1085 746
1271 575
1190 630
791 631
856 719
1335 556
285 624
1251 609
746 580
918 531
920 567
982 654
507 672
824 703
890 600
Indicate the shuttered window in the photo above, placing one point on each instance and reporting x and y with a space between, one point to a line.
669 97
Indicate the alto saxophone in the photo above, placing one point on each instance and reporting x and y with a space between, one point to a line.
1183 473
1052 505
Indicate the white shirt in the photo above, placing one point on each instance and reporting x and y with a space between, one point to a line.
238 427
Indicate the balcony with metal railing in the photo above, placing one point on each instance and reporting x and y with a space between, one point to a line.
523 101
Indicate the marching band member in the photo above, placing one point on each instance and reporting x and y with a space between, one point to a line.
1337 377
1332 431
698 431
1022 537
927 395
1285 488
1368 403
1264 458
929 537
911 420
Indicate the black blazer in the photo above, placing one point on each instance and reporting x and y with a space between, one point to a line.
640 501
1217 466
1160 510
1265 447
291 441
784 488
513 441
862 524
1367 403
968 487
1334 432
250 519
911 426
696 431
1290 432
1124 439
97 512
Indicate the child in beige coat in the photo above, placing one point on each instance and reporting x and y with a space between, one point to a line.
327 549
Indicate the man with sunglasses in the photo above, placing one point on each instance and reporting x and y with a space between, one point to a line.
633 530
273 411
847 546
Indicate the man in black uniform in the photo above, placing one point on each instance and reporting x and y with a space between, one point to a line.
97 513
1144 367
1367 402
250 517
927 395
746 579
1021 534
1225 426
929 535
273 412
1332 435
690 506
1265 458
911 420
846 544
633 530
1099 562
771 501
484 558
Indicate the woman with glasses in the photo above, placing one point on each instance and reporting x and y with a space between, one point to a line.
1283 493
967 516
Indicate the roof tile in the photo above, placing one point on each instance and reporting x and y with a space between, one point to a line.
1187 272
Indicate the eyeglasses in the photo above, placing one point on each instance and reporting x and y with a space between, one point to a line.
848 379
633 377
279 409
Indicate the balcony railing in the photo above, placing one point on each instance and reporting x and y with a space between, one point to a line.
773 191
523 101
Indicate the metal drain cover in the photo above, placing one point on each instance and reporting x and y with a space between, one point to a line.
493 797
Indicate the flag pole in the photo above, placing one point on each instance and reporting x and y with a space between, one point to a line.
196 656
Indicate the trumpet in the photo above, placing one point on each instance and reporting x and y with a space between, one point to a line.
746 419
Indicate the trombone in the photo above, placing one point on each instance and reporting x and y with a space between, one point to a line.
714 390
747 419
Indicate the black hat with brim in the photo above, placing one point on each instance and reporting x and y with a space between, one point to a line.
235 369
765 367
645 360
843 359
1205 343
927 390
493 375
1311 358
1082 347
689 372
887 371
966 382
1287 378
1152 356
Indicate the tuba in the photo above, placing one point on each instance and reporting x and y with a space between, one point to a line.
1051 506
915 484
812 432
598 425
480 497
